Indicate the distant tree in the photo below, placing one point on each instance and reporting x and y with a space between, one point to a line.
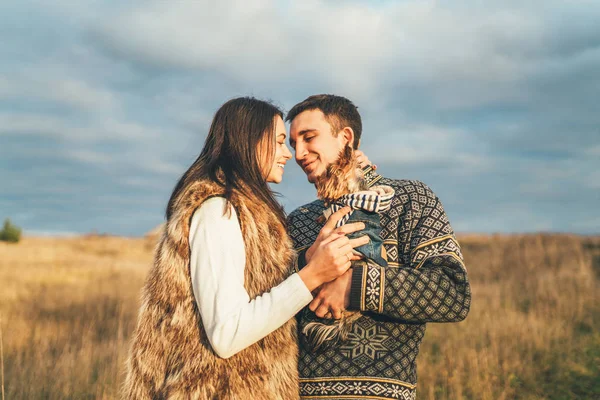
10 232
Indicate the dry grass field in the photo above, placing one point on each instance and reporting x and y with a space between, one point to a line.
68 307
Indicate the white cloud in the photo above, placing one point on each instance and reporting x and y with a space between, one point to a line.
510 217
90 157
484 101
593 151
64 128
71 92
485 52
195 34
431 146
161 167
36 124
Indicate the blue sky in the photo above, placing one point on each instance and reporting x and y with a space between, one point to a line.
495 105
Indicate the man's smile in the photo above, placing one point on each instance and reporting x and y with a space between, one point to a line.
308 165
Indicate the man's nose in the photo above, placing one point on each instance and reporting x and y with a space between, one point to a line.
300 152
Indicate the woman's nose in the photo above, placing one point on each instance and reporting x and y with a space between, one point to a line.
287 153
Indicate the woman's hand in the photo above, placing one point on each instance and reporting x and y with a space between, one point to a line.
331 254
329 229
331 259
363 160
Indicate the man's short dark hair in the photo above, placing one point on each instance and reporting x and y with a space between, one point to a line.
339 112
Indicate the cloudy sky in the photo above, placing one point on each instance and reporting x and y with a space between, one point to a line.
494 104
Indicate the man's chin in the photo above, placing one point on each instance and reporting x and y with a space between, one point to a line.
314 175
313 178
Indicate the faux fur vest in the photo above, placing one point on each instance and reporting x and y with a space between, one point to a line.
170 356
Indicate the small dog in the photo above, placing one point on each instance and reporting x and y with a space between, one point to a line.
344 176
341 178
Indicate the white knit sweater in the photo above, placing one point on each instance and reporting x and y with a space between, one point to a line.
231 319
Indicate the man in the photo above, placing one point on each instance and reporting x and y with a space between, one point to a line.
425 281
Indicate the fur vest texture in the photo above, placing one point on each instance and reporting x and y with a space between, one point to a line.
170 355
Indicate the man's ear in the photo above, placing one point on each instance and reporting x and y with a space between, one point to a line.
348 135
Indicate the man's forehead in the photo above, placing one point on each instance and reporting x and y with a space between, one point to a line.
310 120
314 115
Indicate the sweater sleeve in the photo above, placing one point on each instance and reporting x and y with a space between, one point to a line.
231 319
432 285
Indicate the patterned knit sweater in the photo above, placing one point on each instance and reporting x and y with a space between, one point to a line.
425 281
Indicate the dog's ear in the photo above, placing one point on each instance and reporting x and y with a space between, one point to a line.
341 167
346 157
338 177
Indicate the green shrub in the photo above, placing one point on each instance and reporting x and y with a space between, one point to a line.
10 232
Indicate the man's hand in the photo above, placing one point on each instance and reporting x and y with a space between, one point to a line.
363 160
333 297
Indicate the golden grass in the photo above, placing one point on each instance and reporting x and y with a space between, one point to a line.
68 307
532 332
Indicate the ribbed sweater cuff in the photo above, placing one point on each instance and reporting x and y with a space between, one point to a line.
371 177
302 259
356 288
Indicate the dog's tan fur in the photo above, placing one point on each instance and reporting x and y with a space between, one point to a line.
340 178
170 356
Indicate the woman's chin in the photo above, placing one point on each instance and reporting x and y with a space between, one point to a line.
275 179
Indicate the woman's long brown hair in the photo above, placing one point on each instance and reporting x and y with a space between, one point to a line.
230 156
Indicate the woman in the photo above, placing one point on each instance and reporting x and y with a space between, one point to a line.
216 316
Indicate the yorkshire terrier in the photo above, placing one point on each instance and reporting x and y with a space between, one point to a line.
345 177
342 177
